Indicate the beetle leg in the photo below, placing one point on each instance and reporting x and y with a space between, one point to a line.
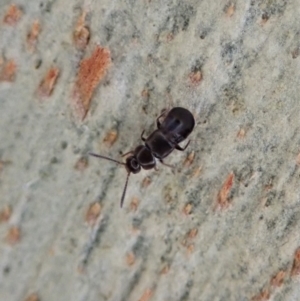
178 147
144 139
158 124
163 163
130 152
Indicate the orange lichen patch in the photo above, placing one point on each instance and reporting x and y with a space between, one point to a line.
196 172
195 77
296 264
130 258
91 71
13 15
13 236
111 137
278 279
5 213
298 159
134 204
241 133
187 209
93 213
81 164
32 297
81 35
262 296
146 182
146 295
189 159
47 84
33 35
222 200
230 10
8 72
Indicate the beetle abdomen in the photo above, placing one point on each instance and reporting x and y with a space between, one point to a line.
178 124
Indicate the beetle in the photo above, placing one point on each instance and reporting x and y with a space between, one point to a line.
176 126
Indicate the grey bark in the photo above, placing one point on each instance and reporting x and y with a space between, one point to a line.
250 80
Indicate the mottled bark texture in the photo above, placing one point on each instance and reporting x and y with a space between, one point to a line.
81 76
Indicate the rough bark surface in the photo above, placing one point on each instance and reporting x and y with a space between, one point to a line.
223 224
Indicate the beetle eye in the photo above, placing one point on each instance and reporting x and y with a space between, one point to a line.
132 165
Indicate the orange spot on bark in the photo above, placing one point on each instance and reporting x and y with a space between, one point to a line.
5 214
170 37
8 71
187 209
165 270
196 172
145 93
192 233
278 279
81 164
13 15
134 204
188 240
130 258
13 235
295 53
189 159
262 296
146 295
111 137
146 182
195 77
47 84
93 213
230 10
241 134
32 297
264 18
33 35
91 71
190 248
296 264
223 201
81 35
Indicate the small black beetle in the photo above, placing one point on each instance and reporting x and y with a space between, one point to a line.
176 126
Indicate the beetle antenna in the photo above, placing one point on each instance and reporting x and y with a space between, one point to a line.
124 190
107 158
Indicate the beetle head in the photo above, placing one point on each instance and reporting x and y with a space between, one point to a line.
132 165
